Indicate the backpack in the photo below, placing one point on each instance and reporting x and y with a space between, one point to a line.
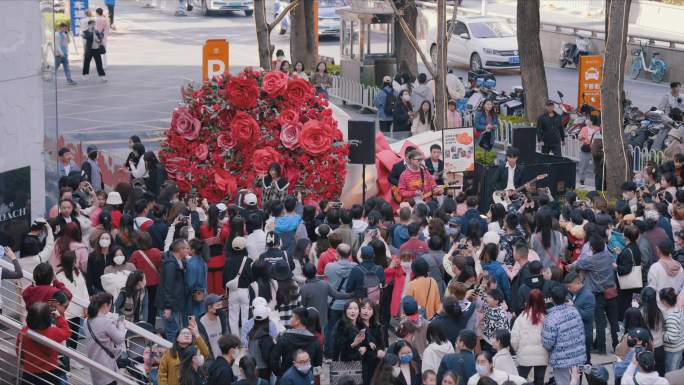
372 285
390 102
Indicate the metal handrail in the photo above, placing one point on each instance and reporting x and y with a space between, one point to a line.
671 43
67 352
84 304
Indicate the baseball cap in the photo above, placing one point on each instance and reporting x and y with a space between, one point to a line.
640 334
261 312
114 198
212 299
409 305
239 243
387 79
90 149
250 199
259 301
367 252
221 207
599 374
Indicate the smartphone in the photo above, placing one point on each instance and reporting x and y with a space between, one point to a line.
191 318
336 204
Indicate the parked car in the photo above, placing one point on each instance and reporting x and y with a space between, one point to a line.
328 20
481 43
210 7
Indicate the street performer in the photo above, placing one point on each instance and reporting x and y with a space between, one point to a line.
510 174
416 181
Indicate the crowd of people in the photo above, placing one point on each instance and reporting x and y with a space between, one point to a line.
262 288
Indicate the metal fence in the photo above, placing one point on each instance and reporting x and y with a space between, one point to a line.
642 157
354 93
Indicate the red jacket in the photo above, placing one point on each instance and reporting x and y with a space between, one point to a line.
151 275
36 357
396 275
43 293
326 257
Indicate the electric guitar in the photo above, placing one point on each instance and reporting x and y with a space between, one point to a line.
503 196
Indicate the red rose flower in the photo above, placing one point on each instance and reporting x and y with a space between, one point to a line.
244 128
262 159
185 124
315 137
202 151
299 91
175 165
225 182
225 141
242 92
289 135
288 116
275 83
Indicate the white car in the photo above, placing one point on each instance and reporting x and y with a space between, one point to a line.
210 7
329 23
481 43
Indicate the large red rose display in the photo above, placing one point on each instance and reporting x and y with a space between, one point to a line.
230 130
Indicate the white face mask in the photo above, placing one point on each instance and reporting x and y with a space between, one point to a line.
396 371
406 97
304 369
119 260
105 242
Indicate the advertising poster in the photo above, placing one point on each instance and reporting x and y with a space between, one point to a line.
77 10
15 205
458 145
589 84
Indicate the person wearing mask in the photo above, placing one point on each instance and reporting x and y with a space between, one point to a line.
666 272
301 372
321 80
133 301
105 333
170 364
172 297
116 273
550 132
93 49
39 363
409 363
486 122
297 337
673 335
213 325
66 162
384 101
62 52
421 92
403 112
485 369
100 243
191 367
237 275
672 99
526 338
423 288
561 331
221 371
438 347
642 371
423 119
585 303
462 362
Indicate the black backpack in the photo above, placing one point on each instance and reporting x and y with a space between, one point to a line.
390 102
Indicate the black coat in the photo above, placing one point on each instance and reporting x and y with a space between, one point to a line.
155 179
288 342
401 118
452 326
232 267
502 177
342 337
171 293
550 129
220 372
437 174
395 173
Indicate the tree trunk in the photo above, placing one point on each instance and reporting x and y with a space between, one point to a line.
440 71
303 45
407 61
616 160
531 59
263 34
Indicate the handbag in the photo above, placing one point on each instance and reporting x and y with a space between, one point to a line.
232 285
633 280
587 147
345 369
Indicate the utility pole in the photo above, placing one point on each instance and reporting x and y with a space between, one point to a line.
441 70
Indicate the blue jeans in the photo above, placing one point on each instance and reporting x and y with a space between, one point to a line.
673 361
173 325
64 61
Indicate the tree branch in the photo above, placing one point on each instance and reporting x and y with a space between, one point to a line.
411 38
452 26
282 14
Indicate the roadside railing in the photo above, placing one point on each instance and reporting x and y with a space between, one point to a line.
354 93
642 157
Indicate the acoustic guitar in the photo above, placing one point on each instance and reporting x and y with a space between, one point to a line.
503 196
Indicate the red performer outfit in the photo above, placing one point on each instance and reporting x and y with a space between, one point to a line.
412 181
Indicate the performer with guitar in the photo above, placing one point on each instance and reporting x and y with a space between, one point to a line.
416 181
510 175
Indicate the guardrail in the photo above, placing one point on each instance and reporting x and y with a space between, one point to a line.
642 157
354 93
593 32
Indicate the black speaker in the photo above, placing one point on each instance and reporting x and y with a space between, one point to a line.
525 139
361 135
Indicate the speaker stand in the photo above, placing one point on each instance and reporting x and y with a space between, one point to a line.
363 185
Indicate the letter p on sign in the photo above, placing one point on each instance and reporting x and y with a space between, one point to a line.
214 58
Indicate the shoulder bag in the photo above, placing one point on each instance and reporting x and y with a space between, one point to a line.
149 262
232 285
632 280
121 358
340 370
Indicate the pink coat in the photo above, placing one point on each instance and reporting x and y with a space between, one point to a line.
398 276
81 256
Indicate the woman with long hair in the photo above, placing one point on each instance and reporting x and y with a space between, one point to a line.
156 174
105 334
322 243
310 222
68 213
494 268
628 259
409 367
388 371
70 240
301 257
191 370
631 320
497 214
655 321
273 184
673 338
347 337
263 285
423 120
187 338
298 70
100 243
238 266
321 80
485 123
526 338
132 301
116 273
248 372
546 241
287 295
258 332
137 166
485 369
438 347
74 280
403 112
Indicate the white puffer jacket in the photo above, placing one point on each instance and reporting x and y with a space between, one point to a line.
527 342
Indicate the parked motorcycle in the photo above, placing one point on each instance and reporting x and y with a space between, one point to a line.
515 105
564 109
571 52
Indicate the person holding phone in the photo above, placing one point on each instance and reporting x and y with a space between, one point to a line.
105 334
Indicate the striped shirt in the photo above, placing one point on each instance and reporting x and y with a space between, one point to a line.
673 338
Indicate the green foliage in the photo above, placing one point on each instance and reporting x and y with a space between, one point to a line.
48 20
514 119
334 69
483 157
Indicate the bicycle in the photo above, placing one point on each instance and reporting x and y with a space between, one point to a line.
656 68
